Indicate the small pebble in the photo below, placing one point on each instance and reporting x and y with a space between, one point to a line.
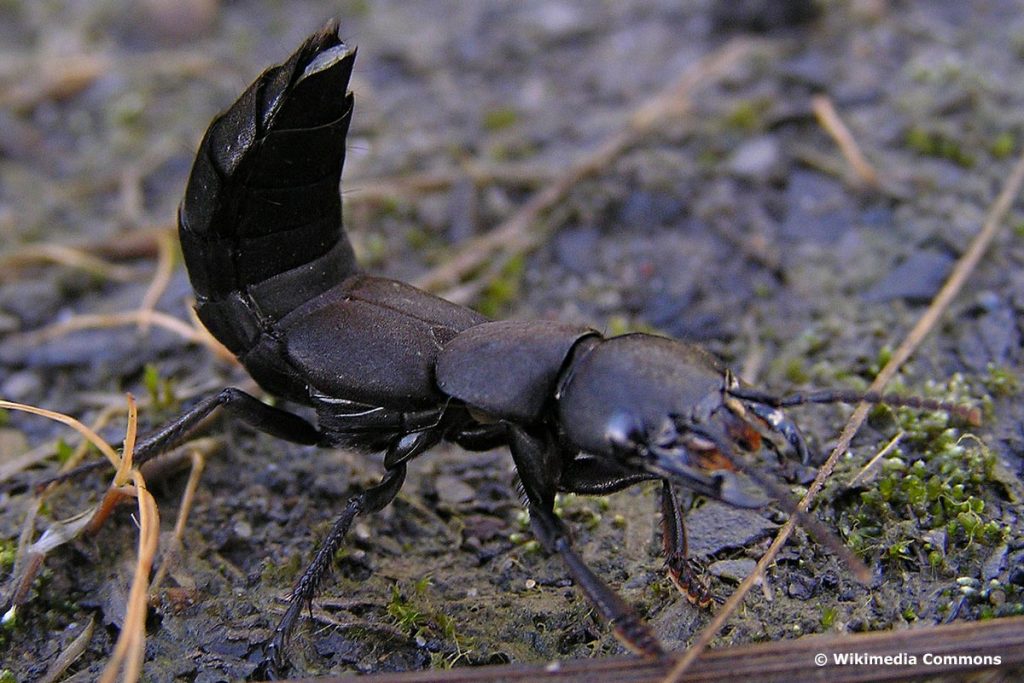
758 159
453 490
732 570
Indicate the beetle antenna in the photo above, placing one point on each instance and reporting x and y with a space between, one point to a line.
970 414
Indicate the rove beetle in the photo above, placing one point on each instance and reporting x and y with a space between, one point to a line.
388 367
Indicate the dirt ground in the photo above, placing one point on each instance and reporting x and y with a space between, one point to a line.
737 224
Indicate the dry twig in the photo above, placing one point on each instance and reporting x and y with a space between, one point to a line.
775 662
856 479
161 278
519 233
129 650
71 257
67 657
829 119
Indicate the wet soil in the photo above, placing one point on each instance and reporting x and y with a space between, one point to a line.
738 225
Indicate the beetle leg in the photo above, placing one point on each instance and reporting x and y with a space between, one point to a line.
682 570
480 437
590 475
629 628
237 404
370 500
408 446
593 476
536 457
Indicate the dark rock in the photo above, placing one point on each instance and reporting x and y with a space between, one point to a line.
800 587
452 490
995 563
576 249
999 336
916 279
761 16
714 527
644 209
819 209
32 301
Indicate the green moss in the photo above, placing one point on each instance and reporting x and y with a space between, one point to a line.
796 372
749 115
499 119
1003 145
357 8
373 249
937 479
828 617
405 615
64 450
160 390
939 145
578 510
8 551
881 360
617 325
286 571
504 289
1001 381
420 617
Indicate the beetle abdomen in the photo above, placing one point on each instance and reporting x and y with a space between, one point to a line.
260 225
374 341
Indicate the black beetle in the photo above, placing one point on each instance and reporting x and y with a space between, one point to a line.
388 367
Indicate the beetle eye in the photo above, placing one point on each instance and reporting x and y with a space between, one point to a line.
620 432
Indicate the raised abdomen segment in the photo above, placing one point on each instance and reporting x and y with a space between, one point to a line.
368 349
260 225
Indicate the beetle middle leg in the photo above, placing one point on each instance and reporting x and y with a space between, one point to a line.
371 500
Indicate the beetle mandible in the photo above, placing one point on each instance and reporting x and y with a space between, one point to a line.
388 367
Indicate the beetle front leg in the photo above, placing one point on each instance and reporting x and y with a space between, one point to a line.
593 476
536 457
370 500
681 568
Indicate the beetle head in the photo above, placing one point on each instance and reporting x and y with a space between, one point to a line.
704 450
